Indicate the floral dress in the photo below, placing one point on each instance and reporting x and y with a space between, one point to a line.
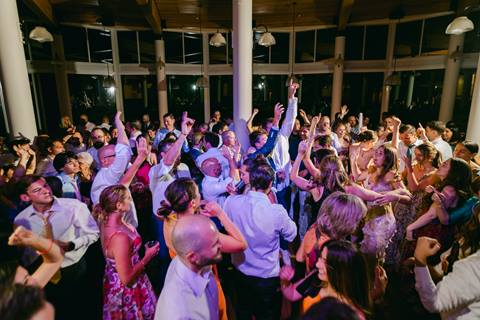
137 301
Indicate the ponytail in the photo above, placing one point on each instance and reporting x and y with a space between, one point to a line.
164 211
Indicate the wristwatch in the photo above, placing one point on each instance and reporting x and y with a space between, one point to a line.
70 247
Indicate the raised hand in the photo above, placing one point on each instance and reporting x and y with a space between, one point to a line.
344 110
23 237
187 123
426 247
292 89
142 148
210 209
421 132
277 114
302 113
396 122
255 111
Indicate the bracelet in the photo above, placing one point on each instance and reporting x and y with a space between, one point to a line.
48 250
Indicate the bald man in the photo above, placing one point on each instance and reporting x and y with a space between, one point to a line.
190 290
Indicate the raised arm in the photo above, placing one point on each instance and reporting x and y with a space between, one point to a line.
294 177
396 125
234 242
314 171
142 153
292 111
304 117
174 152
50 252
122 135
250 121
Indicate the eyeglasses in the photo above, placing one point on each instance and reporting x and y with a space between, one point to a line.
109 156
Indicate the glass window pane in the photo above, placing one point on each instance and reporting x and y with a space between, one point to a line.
279 52
147 47
193 48
472 38
127 46
183 95
267 91
140 96
435 41
407 39
304 46
376 42
325 43
362 92
353 43
89 96
316 92
217 55
221 95
173 47
100 45
260 53
74 43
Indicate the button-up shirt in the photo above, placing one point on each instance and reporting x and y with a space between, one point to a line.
187 295
443 147
110 176
403 151
71 221
70 187
262 224
214 189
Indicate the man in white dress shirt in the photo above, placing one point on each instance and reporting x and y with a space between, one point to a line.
211 142
68 223
190 290
407 144
433 131
262 224
114 160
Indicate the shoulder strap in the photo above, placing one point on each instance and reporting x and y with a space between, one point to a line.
107 242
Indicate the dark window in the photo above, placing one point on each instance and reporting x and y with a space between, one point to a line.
183 95
407 39
279 52
127 46
325 44
304 46
376 42
435 41
173 47
140 96
221 95
472 38
147 47
75 43
100 45
193 48
353 43
362 92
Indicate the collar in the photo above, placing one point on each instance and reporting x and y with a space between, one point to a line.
212 179
258 195
66 178
438 139
196 281
54 208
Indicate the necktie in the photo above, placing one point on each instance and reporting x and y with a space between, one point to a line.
409 151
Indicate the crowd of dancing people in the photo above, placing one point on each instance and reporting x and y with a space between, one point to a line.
316 218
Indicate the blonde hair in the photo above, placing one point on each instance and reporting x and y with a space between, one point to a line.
107 203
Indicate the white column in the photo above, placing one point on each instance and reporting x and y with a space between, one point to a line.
411 83
161 79
389 67
61 78
473 129
116 74
206 90
337 76
449 90
13 73
242 67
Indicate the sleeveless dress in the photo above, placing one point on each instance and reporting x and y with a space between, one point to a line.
137 301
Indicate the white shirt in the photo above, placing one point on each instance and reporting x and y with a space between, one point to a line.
443 147
187 295
89 126
402 152
262 224
217 154
457 296
71 221
280 155
213 189
110 176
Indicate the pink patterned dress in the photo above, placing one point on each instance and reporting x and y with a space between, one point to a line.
137 301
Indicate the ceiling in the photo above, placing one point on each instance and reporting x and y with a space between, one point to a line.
218 13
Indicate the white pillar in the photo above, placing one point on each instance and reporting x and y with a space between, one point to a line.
389 67
449 90
13 73
242 67
206 90
411 83
337 76
61 78
116 74
161 79
473 129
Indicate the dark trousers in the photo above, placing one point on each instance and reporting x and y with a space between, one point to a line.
70 296
257 297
